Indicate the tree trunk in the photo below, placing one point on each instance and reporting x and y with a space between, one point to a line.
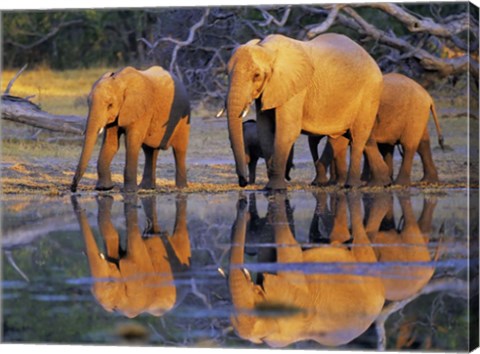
23 111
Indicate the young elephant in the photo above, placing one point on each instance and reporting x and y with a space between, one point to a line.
253 151
402 119
152 109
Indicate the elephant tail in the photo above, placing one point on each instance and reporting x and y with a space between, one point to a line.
437 125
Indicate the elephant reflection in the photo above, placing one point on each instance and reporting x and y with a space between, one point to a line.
406 243
139 278
291 306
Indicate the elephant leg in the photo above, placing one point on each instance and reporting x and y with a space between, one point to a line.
149 206
107 229
288 124
133 145
340 232
179 145
109 148
429 171
339 165
290 164
149 171
379 170
379 208
426 218
403 177
266 133
366 169
387 152
320 167
252 167
180 156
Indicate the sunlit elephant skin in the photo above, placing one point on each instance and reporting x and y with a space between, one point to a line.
326 86
402 119
403 116
140 278
152 109
329 308
407 245
253 151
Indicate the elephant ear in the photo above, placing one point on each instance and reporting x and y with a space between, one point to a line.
133 92
292 70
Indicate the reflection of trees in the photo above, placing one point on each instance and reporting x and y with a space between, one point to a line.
451 286
138 277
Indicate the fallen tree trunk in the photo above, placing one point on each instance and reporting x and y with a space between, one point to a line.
21 110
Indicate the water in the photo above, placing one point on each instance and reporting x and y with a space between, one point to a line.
299 270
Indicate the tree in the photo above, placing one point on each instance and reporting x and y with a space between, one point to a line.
427 42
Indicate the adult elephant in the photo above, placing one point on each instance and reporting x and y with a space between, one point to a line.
327 86
140 278
296 303
152 109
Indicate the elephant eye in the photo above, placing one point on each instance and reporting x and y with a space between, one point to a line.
256 76
109 106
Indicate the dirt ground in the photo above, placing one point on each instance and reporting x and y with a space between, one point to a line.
42 167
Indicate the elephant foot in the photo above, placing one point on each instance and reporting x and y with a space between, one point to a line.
380 182
276 185
181 185
402 181
130 189
104 186
320 183
430 179
242 181
147 186
353 182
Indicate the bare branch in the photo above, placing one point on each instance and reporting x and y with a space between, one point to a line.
332 16
445 66
46 37
12 81
415 24
270 18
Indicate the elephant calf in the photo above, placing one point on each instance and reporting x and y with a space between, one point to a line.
403 115
151 108
253 151
402 119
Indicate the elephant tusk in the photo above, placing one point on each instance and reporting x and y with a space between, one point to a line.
220 113
222 272
101 131
247 274
245 111
102 256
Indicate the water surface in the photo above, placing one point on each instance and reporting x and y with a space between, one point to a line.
297 270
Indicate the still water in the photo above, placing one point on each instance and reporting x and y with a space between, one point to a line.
298 270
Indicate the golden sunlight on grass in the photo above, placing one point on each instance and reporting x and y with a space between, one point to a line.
58 92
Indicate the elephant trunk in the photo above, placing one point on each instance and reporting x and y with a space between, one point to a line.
242 289
91 134
235 108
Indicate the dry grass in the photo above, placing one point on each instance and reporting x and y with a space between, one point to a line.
58 92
